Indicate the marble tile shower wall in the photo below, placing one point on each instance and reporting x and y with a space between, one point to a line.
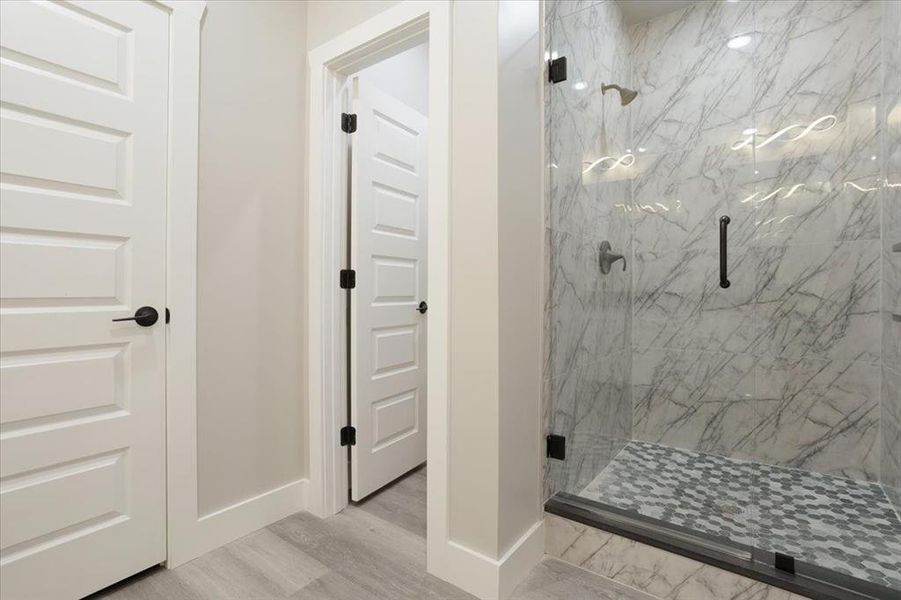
783 135
588 315
891 256
787 365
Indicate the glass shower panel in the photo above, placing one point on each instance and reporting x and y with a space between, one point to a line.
589 313
765 412
821 113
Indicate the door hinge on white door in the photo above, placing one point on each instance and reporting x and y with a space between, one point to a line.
348 436
348 279
348 122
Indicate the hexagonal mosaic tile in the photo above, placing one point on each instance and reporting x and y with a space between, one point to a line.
846 525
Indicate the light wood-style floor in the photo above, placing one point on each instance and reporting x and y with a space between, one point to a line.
372 550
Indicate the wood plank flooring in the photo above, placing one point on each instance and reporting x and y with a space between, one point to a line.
372 550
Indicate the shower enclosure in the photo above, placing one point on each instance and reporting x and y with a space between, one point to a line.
736 374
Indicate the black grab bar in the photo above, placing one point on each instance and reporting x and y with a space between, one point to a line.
724 223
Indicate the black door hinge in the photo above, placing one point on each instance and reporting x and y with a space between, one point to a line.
348 436
348 279
348 122
556 447
557 70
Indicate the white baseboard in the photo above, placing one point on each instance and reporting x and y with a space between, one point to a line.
232 522
493 579
520 559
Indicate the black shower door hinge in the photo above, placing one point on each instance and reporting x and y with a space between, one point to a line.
556 447
556 70
784 562
348 279
348 122
348 436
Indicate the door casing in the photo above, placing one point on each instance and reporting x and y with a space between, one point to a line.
398 28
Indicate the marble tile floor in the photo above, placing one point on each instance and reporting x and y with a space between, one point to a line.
841 524
372 550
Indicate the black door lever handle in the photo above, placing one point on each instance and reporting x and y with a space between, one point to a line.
144 316
422 307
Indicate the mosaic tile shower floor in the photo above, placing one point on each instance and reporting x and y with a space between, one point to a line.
845 525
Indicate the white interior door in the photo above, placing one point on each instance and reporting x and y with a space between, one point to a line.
388 252
83 158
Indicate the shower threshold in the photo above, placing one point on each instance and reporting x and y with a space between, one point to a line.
841 537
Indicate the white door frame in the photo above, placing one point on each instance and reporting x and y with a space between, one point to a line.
397 28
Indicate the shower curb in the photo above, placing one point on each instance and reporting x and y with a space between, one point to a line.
679 544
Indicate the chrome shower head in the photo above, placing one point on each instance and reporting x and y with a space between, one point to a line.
625 94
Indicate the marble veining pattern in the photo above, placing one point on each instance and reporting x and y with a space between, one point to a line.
842 524
782 366
818 415
797 363
819 301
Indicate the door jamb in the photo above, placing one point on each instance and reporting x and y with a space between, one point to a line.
383 35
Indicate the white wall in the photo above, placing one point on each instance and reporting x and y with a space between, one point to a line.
328 18
474 418
496 228
521 225
251 413
404 76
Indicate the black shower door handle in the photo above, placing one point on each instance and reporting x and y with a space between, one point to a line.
724 269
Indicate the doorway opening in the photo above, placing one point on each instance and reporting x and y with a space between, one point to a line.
385 119
400 28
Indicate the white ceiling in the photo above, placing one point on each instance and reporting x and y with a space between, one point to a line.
636 11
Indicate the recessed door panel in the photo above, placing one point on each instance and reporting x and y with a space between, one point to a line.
394 418
40 269
67 42
394 280
38 510
47 386
54 151
395 143
394 350
395 211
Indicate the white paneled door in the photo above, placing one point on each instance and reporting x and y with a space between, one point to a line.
83 154
388 329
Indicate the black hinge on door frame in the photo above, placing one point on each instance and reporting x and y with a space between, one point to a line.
556 446
348 279
556 70
348 436
348 122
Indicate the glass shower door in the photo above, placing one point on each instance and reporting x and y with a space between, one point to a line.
764 412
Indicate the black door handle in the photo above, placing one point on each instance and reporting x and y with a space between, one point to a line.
724 280
422 307
144 316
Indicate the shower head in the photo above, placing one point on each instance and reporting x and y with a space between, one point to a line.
625 94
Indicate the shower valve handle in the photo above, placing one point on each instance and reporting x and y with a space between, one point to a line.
607 258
